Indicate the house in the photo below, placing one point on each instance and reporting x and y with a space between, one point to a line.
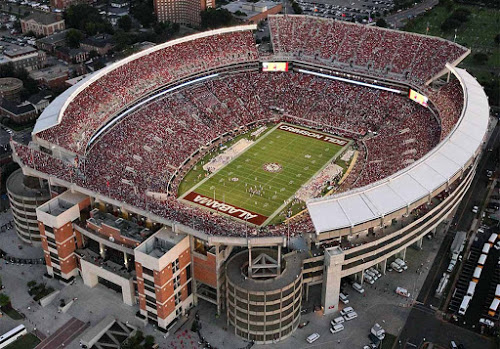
40 101
26 111
72 55
24 56
51 77
51 42
100 43
42 23
19 113
115 13
253 12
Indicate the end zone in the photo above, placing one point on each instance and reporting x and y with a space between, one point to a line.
233 211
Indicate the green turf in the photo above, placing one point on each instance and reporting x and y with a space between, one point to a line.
300 157
28 341
192 177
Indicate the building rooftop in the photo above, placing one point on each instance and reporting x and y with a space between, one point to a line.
94 258
162 242
50 73
127 228
43 17
100 40
37 97
11 50
17 108
251 9
21 185
8 84
236 265
54 38
62 203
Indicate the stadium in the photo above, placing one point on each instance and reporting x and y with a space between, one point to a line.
211 168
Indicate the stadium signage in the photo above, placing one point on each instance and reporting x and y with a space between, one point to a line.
231 210
312 134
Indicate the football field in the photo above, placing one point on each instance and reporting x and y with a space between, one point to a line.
257 184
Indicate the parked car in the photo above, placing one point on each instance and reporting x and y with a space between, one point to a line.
401 263
312 338
343 298
475 209
336 328
376 272
486 322
369 279
346 310
402 291
372 274
350 316
396 267
358 287
337 320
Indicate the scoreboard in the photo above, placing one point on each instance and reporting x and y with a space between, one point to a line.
419 98
275 66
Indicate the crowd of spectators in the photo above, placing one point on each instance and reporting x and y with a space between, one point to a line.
149 150
128 82
141 153
392 54
449 101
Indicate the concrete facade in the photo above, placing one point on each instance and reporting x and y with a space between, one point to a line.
334 258
25 195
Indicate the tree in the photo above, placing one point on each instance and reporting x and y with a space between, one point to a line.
381 23
149 341
456 19
122 40
73 38
497 39
125 23
296 7
216 18
4 300
143 11
480 58
87 19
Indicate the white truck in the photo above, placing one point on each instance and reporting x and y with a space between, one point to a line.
456 248
378 331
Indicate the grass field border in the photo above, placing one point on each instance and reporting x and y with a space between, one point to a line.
287 202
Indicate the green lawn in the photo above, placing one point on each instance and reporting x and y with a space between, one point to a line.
299 158
388 341
28 341
477 33
12 313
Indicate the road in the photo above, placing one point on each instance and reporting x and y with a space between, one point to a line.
64 335
430 327
398 19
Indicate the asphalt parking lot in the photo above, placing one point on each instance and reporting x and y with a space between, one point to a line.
346 9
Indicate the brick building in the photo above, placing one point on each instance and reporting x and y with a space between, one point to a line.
181 11
42 23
